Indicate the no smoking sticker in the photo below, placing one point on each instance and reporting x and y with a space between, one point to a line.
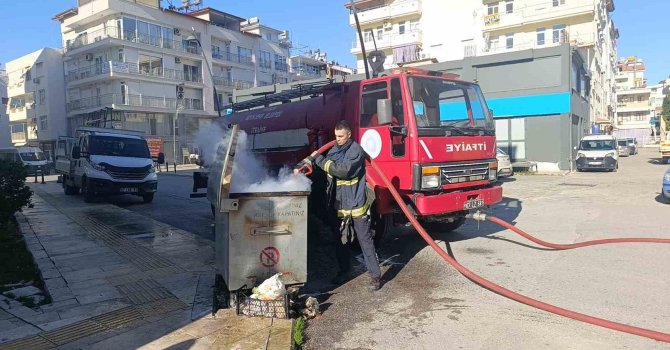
269 257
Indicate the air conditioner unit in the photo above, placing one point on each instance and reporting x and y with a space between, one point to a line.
176 31
177 60
36 80
89 57
388 25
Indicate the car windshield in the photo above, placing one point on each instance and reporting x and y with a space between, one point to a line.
500 152
622 143
440 103
32 156
597 145
119 147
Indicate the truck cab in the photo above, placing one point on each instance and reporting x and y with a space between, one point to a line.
108 162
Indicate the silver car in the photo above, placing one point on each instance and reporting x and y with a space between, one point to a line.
622 148
504 164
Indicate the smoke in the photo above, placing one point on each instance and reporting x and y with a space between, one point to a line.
250 173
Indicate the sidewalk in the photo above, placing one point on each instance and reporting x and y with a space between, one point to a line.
120 280
181 169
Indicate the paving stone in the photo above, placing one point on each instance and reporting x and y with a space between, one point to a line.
82 275
50 273
59 294
59 305
24 291
18 332
53 283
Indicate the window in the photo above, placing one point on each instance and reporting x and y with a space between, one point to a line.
493 8
414 25
216 52
121 56
509 41
268 36
367 35
43 122
494 42
558 35
244 54
372 93
380 33
558 2
42 97
509 6
265 61
191 73
124 92
280 63
398 118
401 27
150 65
540 36
29 75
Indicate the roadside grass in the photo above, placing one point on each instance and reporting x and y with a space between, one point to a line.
18 267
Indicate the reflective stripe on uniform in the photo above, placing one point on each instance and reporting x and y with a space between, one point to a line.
347 182
326 166
355 213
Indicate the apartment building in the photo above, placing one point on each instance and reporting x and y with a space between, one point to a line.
132 64
422 31
635 111
35 105
313 64
5 136
513 25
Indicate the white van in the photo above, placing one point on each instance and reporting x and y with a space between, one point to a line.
32 157
597 152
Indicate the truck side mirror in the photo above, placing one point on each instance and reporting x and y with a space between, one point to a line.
491 112
76 152
384 116
161 158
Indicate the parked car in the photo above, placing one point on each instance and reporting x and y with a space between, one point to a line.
504 164
632 144
597 152
665 190
622 148
32 157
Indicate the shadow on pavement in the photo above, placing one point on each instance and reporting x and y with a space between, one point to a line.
657 161
661 199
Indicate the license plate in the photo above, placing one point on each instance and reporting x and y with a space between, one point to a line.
128 190
595 163
473 204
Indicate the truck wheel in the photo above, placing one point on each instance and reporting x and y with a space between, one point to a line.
381 225
69 190
87 192
147 197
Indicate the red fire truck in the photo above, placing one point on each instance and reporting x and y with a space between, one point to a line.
431 133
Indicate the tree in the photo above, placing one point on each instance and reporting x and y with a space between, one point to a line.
666 111
14 194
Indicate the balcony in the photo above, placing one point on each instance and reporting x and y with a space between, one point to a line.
537 11
19 137
20 113
118 101
233 58
385 12
127 70
232 83
281 67
565 37
121 37
389 41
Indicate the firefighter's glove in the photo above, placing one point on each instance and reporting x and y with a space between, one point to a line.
347 230
305 166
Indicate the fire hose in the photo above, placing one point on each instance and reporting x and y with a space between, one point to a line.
647 333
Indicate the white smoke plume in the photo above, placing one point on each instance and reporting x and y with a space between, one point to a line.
250 174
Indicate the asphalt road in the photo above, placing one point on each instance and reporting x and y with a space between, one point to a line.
426 304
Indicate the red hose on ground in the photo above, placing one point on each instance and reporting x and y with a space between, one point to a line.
573 245
665 337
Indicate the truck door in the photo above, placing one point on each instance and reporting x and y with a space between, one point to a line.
386 144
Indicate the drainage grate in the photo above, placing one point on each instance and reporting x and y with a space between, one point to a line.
32 343
73 332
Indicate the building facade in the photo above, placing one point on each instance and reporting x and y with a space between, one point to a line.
424 31
35 106
132 64
635 110
5 136
311 65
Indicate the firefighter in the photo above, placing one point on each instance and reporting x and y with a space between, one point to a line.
345 167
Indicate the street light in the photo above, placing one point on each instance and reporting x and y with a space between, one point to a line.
216 95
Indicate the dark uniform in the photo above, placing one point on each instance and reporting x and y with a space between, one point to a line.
345 168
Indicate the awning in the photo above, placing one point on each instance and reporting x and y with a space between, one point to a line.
224 34
277 49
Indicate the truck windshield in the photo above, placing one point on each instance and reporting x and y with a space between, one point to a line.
597 145
32 156
444 104
119 147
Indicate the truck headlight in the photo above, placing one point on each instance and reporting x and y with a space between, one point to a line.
152 169
493 171
666 177
580 155
430 177
97 166
611 154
